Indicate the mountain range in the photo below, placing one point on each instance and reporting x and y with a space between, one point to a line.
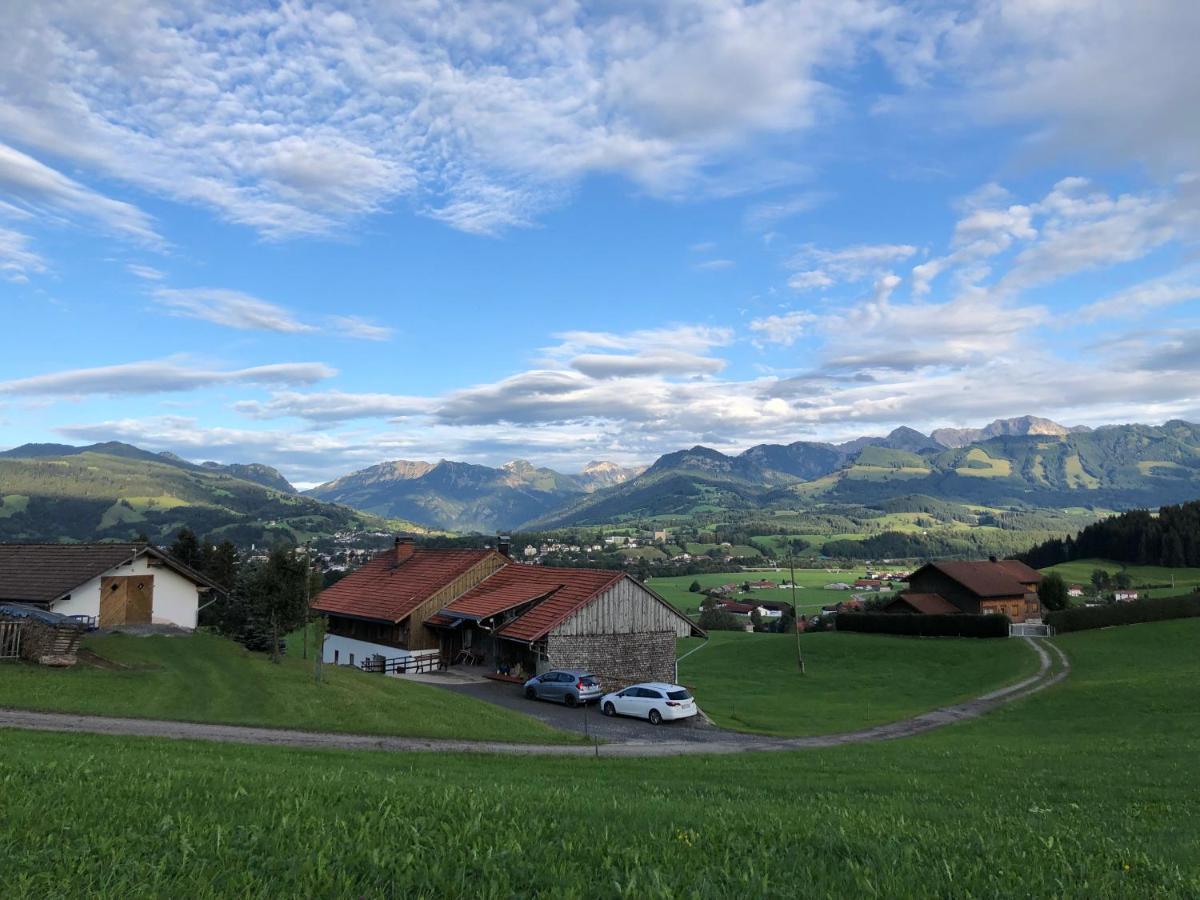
52 491
115 491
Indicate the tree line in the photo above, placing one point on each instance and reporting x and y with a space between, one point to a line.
1137 537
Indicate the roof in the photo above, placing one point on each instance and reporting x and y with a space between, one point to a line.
732 606
929 604
987 578
42 573
389 591
570 590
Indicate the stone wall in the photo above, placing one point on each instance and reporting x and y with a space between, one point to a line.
49 645
619 659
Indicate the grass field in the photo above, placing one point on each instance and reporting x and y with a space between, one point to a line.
1173 580
1086 790
810 591
203 678
751 682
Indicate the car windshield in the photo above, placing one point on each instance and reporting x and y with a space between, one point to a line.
678 695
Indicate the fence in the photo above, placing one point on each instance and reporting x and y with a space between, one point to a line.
403 665
1030 629
10 639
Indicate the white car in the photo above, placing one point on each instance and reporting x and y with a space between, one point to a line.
656 701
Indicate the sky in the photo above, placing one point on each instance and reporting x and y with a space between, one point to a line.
324 235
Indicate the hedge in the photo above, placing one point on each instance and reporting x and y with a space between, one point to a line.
953 625
1156 609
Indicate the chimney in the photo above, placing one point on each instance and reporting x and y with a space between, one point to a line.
404 547
504 544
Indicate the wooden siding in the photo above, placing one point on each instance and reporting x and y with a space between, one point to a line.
625 608
422 638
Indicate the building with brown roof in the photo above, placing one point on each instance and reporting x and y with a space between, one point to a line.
1000 586
477 606
108 585
925 604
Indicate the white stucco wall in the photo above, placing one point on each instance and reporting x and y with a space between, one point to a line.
345 646
176 599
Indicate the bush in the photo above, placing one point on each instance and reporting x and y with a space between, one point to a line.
1082 618
718 619
952 625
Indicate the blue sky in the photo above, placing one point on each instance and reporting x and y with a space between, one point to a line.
321 235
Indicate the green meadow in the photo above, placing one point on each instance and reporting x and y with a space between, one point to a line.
205 678
753 683
810 593
1158 581
1086 790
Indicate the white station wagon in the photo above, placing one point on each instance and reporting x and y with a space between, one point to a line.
656 701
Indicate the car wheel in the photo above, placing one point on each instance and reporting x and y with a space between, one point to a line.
530 694
571 700
609 709
655 717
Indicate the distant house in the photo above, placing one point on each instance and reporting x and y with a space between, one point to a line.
762 585
1125 596
1075 590
107 584
476 606
1004 586
868 584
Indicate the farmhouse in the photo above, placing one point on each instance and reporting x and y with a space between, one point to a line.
104 584
1004 586
1125 596
477 606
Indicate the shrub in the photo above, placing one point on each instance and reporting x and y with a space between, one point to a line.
718 619
953 625
1082 618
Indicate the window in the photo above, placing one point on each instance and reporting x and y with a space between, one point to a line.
678 695
351 659
649 694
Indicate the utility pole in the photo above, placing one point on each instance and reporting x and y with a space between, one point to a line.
795 609
307 610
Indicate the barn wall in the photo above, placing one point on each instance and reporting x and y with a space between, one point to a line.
625 608
176 599
619 659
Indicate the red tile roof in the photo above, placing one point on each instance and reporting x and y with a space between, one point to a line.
387 591
495 596
929 604
572 590
987 578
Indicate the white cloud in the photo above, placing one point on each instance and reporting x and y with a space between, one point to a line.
293 118
17 259
818 267
765 216
1170 290
39 188
333 406
233 309
146 273
662 362
784 329
161 376
715 265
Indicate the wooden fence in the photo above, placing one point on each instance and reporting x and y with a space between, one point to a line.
10 639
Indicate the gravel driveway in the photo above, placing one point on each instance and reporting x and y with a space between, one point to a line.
593 722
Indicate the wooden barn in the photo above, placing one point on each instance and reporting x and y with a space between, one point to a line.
1001 586
478 607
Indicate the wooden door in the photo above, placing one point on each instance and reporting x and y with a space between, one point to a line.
126 600
139 600
112 601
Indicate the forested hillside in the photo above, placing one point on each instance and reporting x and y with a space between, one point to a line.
1137 537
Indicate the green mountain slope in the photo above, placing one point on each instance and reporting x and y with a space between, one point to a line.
1115 467
465 497
85 495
